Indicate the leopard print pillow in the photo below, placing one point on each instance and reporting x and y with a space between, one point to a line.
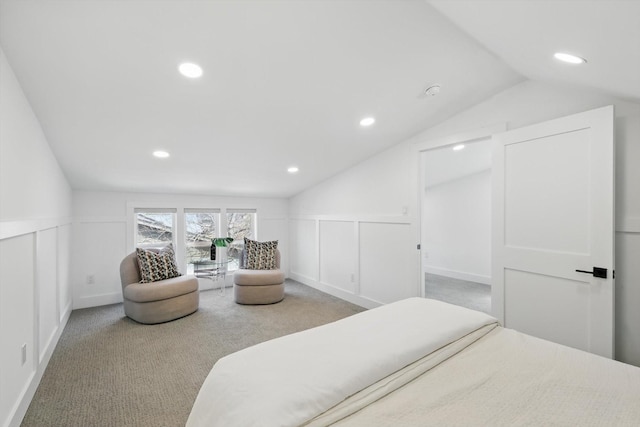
156 266
260 255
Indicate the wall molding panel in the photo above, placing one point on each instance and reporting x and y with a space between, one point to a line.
334 253
10 229
37 295
336 292
101 261
23 403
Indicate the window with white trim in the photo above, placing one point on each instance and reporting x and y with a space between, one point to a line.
191 231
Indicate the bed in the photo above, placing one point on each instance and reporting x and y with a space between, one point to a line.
416 362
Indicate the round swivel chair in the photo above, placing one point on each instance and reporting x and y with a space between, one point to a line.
255 287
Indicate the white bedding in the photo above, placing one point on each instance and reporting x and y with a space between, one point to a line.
511 379
417 362
290 380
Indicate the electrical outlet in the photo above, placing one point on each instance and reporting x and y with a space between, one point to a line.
426 254
91 279
353 277
23 350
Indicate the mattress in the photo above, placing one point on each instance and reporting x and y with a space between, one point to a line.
416 362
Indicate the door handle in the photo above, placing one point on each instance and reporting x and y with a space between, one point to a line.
597 272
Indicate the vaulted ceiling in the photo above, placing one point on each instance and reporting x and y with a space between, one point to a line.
285 83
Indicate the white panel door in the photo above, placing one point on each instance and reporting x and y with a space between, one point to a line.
553 214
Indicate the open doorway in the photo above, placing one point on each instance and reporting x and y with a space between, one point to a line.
456 224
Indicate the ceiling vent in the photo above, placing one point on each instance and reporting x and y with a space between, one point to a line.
432 90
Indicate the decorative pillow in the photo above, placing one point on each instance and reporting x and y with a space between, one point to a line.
156 266
260 255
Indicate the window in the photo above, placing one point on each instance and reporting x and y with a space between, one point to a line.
154 227
191 231
200 226
240 224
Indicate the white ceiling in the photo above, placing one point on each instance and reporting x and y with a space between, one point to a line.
525 34
443 165
285 83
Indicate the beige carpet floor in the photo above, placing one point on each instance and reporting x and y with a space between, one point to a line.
108 370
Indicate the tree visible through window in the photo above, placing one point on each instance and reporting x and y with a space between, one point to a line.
240 224
200 228
154 228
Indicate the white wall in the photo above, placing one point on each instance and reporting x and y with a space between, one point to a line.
386 183
456 228
35 236
103 235
374 198
359 258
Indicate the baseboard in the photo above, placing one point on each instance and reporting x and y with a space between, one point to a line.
66 312
20 409
97 300
461 275
336 292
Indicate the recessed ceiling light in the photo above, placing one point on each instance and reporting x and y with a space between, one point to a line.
458 147
567 57
190 70
367 121
161 154
293 169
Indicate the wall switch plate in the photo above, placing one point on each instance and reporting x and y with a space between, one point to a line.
23 351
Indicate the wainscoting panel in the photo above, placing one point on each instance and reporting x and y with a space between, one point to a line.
17 320
47 287
387 262
35 304
364 260
99 247
64 270
304 248
338 254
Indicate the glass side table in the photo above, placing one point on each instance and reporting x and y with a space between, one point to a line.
212 270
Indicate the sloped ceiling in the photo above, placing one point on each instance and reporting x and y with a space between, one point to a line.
525 34
285 83
444 165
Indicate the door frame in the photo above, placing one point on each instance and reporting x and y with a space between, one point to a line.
436 143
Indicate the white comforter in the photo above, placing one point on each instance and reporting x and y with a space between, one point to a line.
291 380
505 379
